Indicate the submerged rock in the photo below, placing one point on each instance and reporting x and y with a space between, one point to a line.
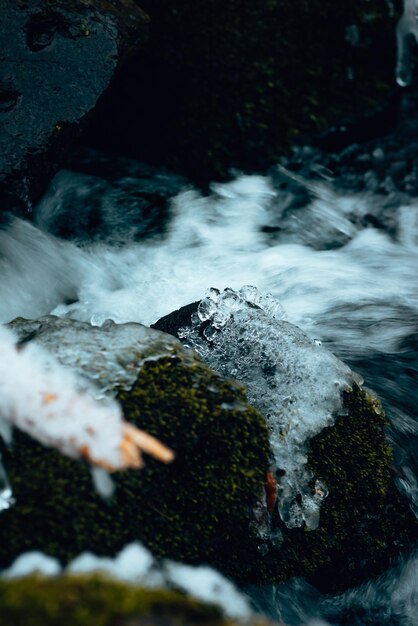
57 59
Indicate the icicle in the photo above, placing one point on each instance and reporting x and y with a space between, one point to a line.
406 32
6 494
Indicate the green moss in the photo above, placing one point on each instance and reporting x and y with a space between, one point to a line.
364 521
96 601
199 509
195 509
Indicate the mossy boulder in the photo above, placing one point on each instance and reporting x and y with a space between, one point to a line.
197 509
239 81
200 509
97 601
365 522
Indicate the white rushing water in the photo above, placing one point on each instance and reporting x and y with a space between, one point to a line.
353 288
363 292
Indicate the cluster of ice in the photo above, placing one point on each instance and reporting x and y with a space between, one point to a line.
44 399
407 36
136 565
293 381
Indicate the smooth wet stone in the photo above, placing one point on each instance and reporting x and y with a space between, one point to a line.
56 59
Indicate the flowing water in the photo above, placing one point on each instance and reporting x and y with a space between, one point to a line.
131 243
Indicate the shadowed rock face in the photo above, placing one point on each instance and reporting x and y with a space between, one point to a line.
233 83
56 60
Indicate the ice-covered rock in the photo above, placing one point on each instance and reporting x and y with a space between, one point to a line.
199 510
326 432
294 381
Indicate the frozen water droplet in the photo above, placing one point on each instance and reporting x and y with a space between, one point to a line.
249 293
183 332
6 495
220 318
231 300
272 307
210 333
206 309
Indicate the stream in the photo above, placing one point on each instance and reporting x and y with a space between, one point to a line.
115 239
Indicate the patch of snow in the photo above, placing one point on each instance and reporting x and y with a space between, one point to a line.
135 565
42 398
208 585
32 563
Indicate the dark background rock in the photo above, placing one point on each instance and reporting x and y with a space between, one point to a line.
234 83
57 58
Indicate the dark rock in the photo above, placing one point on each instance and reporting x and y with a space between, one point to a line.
108 199
234 83
56 60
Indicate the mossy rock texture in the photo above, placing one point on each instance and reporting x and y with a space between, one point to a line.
233 83
197 509
97 601
200 509
364 521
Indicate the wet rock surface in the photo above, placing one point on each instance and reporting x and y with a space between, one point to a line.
371 154
103 198
56 59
